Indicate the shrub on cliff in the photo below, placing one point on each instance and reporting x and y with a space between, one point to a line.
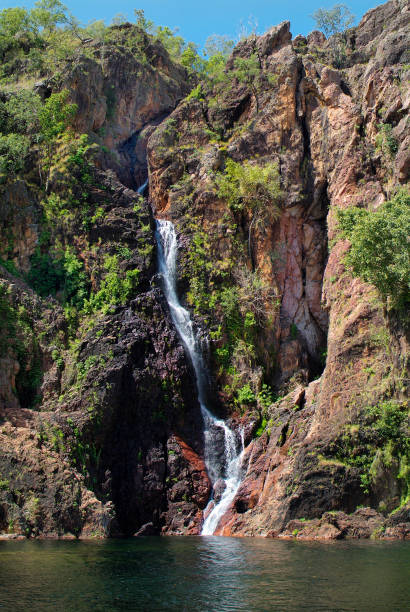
334 22
13 151
251 187
380 247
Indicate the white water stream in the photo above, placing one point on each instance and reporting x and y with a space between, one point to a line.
223 449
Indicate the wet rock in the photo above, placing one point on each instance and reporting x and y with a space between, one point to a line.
146 530
219 488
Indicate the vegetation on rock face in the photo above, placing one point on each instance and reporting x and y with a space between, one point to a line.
253 188
248 185
379 444
18 341
237 302
334 22
380 248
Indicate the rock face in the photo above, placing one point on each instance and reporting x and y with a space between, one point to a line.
101 431
320 125
126 88
102 437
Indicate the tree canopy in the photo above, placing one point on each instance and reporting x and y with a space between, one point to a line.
335 20
380 247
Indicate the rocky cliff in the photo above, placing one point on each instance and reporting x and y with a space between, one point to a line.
101 430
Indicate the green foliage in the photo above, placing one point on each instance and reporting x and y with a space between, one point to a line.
4 485
173 44
245 395
56 116
196 93
14 149
217 45
45 275
79 161
380 249
385 141
293 331
75 285
83 367
14 21
7 321
10 266
66 273
57 358
389 421
214 70
335 20
48 14
381 442
142 22
20 112
115 289
248 72
200 269
18 338
265 397
18 124
249 185
38 39
15 24
229 302
247 69
191 59
261 429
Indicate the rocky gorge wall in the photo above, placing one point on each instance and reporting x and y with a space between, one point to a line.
107 437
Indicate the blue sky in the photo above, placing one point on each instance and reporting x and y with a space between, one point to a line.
196 20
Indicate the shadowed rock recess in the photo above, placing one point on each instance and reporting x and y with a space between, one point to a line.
101 431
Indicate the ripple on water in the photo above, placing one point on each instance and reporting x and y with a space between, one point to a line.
203 574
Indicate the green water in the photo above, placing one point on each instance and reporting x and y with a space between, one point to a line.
203 574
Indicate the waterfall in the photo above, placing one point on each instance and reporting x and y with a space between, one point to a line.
142 188
223 450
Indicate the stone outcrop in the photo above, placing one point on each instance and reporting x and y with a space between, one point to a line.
124 89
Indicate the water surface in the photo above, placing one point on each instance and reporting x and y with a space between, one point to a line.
203 574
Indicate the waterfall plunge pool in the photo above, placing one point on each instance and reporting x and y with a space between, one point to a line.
203 574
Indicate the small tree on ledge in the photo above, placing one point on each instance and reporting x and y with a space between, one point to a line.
334 22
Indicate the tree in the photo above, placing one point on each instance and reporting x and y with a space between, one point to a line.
218 45
119 19
250 28
56 115
14 21
247 71
47 14
22 111
142 22
15 24
380 247
334 22
54 119
190 58
173 44
97 30
14 149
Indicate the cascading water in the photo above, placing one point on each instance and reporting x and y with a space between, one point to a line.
223 450
142 188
